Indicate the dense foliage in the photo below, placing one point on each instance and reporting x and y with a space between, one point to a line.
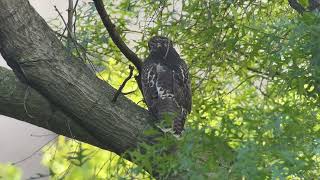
254 68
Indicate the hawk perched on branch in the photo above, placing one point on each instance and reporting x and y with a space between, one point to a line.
166 84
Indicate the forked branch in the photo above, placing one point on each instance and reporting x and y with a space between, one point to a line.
119 91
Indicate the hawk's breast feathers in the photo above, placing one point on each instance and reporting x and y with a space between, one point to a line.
166 85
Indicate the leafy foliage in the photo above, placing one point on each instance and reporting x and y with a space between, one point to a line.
69 159
9 172
255 78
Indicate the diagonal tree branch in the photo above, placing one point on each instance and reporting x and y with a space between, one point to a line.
313 5
130 55
296 6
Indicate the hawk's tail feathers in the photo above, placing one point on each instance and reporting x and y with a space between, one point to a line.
171 115
179 121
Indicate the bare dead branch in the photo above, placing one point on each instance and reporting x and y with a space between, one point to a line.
35 152
130 92
119 91
75 15
70 27
69 36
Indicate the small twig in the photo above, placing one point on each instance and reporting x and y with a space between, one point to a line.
64 30
70 28
74 23
69 128
60 35
84 51
42 135
130 92
35 152
143 101
25 102
75 15
64 22
39 176
69 32
123 84
240 84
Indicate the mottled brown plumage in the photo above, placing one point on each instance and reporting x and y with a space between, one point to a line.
166 83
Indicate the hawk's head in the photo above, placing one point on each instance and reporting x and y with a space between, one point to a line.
159 45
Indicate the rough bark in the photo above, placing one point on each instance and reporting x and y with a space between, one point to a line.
38 59
313 5
296 6
20 101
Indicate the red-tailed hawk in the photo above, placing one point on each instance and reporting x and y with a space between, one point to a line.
166 84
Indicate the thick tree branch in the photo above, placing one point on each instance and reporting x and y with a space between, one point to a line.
19 101
313 5
38 58
296 6
130 55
